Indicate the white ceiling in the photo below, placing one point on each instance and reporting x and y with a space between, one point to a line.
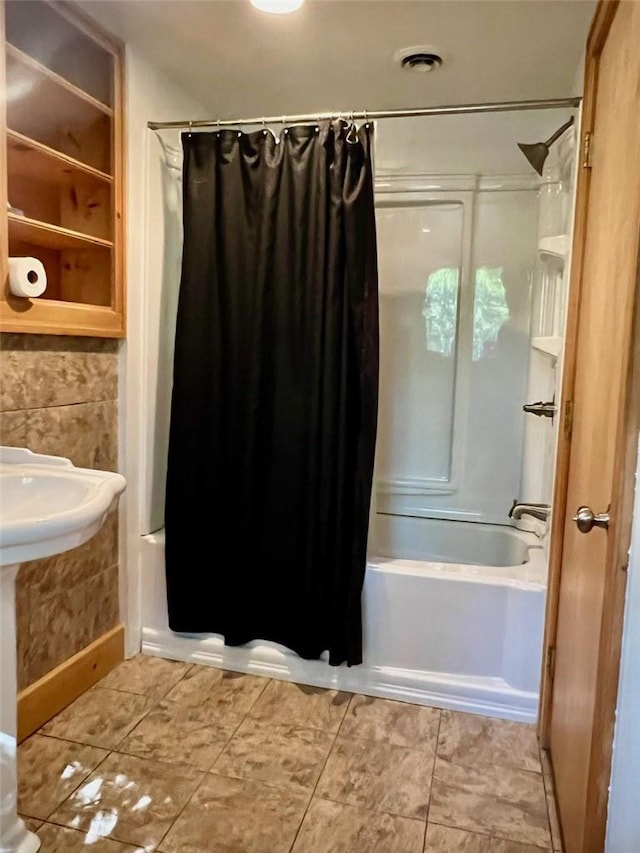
337 54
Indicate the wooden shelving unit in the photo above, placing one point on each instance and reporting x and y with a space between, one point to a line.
61 158
51 236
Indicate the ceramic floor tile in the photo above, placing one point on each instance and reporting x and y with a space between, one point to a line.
49 770
99 718
492 800
477 741
237 816
283 756
227 695
31 823
378 776
284 702
145 674
393 722
58 839
445 839
339 828
179 734
129 799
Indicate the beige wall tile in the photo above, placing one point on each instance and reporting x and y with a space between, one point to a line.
58 395
102 606
57 630
13 428
50 370
44 578
22 633
86 433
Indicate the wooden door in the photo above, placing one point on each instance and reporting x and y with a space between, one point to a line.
591 565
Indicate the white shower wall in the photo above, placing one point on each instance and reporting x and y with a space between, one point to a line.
457 217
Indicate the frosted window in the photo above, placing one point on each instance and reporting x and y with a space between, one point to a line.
490 311
440 310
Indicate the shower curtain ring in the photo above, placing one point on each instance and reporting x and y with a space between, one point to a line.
190 129
218 126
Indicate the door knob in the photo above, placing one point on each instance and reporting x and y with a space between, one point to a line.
586 519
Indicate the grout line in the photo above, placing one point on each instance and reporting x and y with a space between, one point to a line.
206 773
119 844
315 787
57 406
433 768
550 794
486 834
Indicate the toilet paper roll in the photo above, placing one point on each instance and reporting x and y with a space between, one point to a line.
27 277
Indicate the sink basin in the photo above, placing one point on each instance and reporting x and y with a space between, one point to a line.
47 506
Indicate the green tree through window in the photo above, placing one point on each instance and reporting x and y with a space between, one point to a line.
440 310
490 310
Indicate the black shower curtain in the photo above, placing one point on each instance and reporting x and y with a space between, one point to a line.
273 415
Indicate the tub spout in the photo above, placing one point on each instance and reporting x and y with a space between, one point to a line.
539 511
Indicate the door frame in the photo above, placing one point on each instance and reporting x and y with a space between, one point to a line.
619 534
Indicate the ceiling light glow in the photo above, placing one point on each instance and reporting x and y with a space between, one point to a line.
277 7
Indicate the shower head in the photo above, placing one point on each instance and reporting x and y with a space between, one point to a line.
537 152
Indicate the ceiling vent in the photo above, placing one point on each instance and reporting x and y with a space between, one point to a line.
420 59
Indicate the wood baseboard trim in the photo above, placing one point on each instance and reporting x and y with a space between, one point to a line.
54 691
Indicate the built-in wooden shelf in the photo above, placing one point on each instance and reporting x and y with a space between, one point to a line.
61 193
52 188
54 112
38 73
51 236
31 159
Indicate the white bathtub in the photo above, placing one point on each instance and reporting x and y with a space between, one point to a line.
453 616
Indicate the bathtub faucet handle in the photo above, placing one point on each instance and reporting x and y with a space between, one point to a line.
539 511
542 410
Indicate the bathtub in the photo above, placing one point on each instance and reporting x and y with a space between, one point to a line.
453 617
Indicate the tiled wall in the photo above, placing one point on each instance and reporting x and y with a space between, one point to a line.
58 395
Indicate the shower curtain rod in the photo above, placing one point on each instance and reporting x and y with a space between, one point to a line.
372 115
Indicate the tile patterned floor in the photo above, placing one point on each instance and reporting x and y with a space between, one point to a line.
164 757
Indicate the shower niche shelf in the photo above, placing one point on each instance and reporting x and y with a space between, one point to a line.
549 344
61 158
555 249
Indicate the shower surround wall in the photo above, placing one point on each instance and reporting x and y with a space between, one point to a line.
59 396
456 254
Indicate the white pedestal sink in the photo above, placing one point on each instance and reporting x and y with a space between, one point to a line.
47 506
